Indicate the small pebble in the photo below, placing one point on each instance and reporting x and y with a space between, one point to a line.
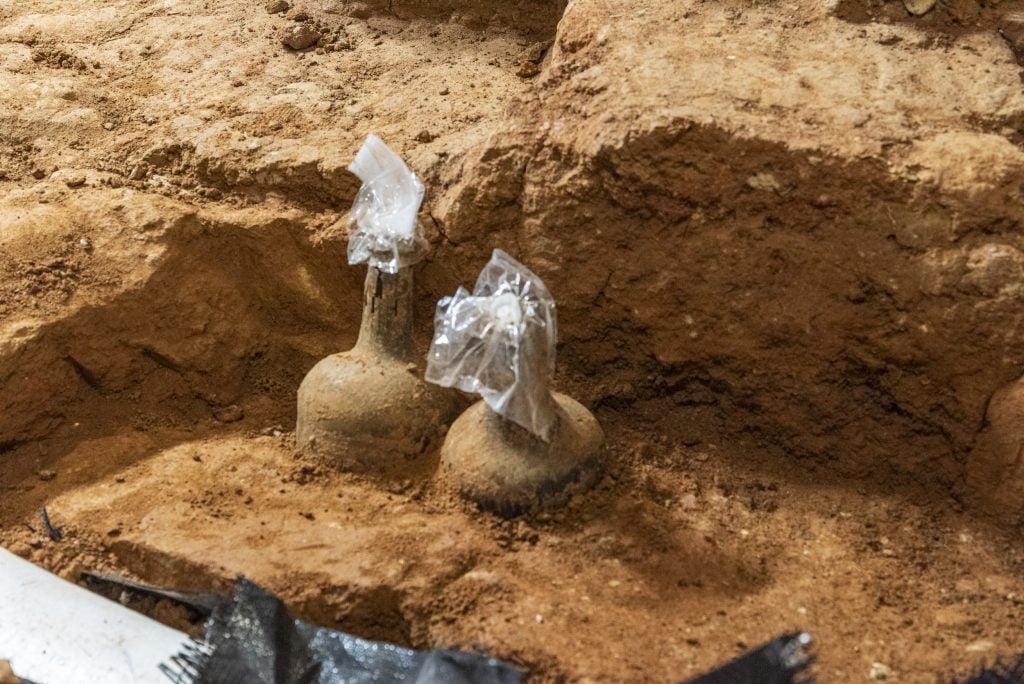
879 672
108 125
47 475
229 414
919 7
425 136
275 6
528 70
299 36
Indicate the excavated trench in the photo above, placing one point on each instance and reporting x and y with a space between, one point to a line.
791 343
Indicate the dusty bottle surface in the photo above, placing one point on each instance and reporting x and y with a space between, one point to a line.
368 408
507 470
523 447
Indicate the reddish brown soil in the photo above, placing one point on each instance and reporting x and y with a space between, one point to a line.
682 557
786 244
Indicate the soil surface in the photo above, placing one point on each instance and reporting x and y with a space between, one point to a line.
786 241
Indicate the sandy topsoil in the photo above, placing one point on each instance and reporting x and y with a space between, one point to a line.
786 243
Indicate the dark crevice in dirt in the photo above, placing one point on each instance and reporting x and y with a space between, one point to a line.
949 18
536 19
83 372
174 615
1011 128
1015 41
9 445
161 360
375 612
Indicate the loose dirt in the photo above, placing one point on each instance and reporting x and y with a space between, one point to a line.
785 240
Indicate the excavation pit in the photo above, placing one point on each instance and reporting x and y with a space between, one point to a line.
789 280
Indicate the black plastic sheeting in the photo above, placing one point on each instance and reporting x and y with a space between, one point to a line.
787 660
1002 672
251 638
783 660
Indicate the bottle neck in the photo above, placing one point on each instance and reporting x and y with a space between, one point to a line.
386 328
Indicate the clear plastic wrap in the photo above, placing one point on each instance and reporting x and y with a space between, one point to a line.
384 232
499 342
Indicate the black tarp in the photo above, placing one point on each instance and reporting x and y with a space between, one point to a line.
251 638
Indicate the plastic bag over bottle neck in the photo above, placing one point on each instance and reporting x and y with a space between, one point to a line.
499 342
384 232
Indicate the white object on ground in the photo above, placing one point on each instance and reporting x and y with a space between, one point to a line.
385 231
54 631
499 342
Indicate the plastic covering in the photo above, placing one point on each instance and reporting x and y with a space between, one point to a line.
54 631
251 638
499 342
783 660
384 232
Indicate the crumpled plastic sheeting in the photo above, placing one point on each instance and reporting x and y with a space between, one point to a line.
252 639
384 232
499 342
783 660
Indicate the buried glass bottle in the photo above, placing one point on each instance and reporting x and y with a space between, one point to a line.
523 447
367 409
